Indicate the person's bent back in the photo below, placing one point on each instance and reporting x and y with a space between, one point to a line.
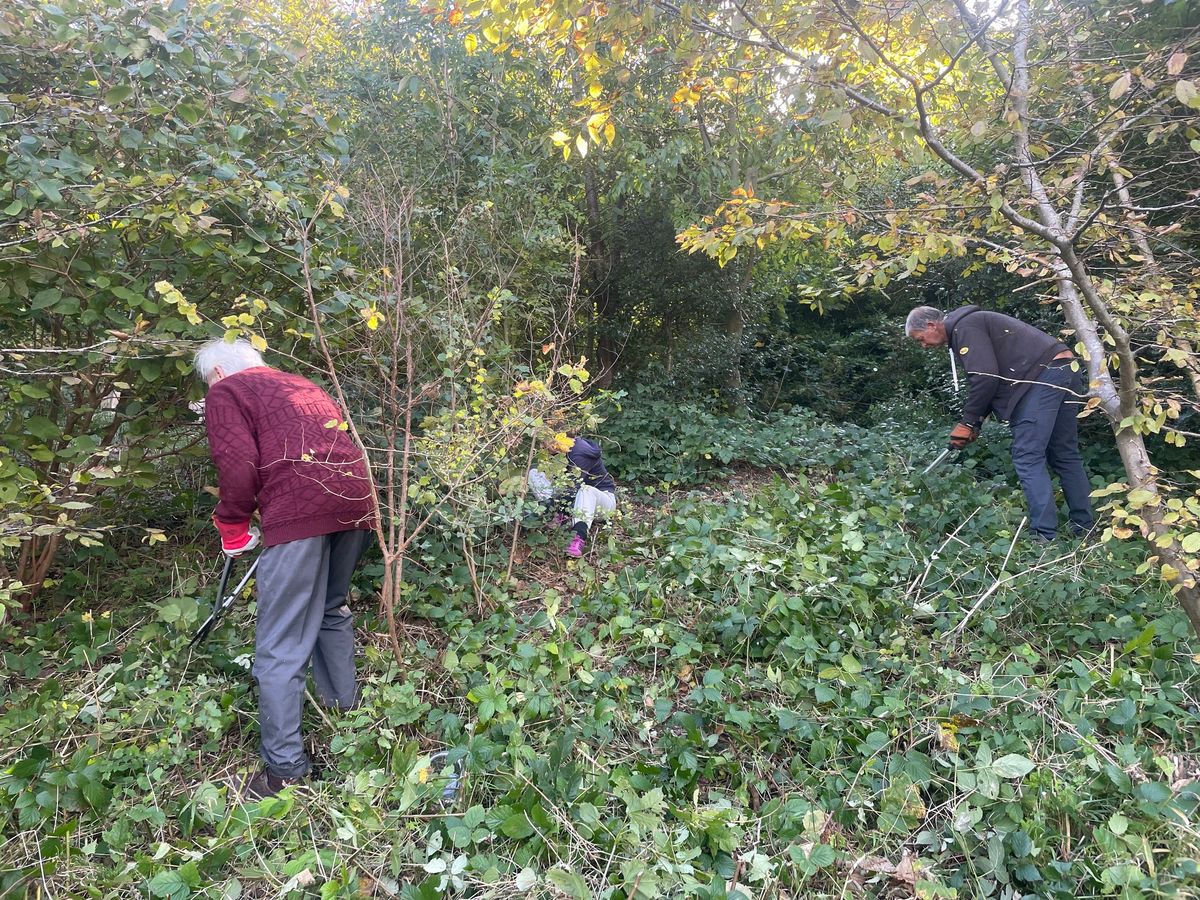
279 448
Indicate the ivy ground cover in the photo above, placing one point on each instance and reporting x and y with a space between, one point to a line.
840 679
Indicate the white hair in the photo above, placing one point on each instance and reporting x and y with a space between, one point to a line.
230 356
921 318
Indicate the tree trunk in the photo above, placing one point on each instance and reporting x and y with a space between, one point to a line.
1141 475
740 274
605 303
735 327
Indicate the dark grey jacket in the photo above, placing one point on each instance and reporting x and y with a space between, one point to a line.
585 456
1002 356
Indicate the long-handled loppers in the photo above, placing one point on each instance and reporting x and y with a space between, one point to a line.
223 601
941 457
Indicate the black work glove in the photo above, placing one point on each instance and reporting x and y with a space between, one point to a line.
962 434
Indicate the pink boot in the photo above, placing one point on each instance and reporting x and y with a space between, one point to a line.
576 547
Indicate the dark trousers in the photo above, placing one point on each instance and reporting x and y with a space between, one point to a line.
1045 431
303 618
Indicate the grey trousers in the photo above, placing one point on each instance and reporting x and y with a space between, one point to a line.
303 616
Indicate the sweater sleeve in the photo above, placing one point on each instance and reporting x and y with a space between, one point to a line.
235 454
975 352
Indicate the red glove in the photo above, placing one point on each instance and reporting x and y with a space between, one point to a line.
237 537
962 434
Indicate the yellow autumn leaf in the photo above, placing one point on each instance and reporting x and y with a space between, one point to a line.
947 737
560 137
470 43
581 145
594 89
563 442
491 33
610 133
258 342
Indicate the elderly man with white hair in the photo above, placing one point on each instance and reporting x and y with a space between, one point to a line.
280 448
1029 379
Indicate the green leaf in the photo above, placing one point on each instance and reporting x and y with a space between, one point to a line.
1145 639
1012 766
117 93
822 856
190 112
42 428
474 816
45 299
49 189
171 885
570 883
518 826
901 808
851 665
238 133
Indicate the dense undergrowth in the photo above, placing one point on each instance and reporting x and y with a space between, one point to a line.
834 679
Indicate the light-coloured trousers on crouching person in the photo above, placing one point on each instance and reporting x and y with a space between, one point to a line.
591 502
303 618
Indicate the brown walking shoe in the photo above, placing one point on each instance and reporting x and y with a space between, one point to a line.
264 783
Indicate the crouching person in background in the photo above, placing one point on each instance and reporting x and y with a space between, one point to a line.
277 454
595 492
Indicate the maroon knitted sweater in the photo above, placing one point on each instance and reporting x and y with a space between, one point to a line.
275 452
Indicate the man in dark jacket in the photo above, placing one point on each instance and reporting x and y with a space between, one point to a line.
281 450
1029 379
